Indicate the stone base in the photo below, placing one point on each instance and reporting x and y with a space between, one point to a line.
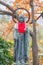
20 64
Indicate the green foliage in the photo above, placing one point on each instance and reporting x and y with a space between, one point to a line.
6 57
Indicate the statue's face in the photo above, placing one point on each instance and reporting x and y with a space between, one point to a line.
21 19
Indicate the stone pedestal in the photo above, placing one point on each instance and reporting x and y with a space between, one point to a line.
20 64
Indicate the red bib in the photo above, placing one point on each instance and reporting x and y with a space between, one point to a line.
21 27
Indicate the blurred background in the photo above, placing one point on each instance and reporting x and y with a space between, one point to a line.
6 24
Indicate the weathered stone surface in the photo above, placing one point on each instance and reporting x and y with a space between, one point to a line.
20 64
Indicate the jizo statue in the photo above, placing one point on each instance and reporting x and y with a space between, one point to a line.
21 33
21 40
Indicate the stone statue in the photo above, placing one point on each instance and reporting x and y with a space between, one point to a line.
21 40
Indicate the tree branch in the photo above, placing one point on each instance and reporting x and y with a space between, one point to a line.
5 12
37 18
2 12
6 6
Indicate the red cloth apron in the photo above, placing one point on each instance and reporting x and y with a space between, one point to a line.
21 27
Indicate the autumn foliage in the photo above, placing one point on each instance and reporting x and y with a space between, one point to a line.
38 8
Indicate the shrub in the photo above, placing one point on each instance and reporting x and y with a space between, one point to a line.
6 58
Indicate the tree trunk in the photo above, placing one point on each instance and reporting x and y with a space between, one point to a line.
34 47
34 41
